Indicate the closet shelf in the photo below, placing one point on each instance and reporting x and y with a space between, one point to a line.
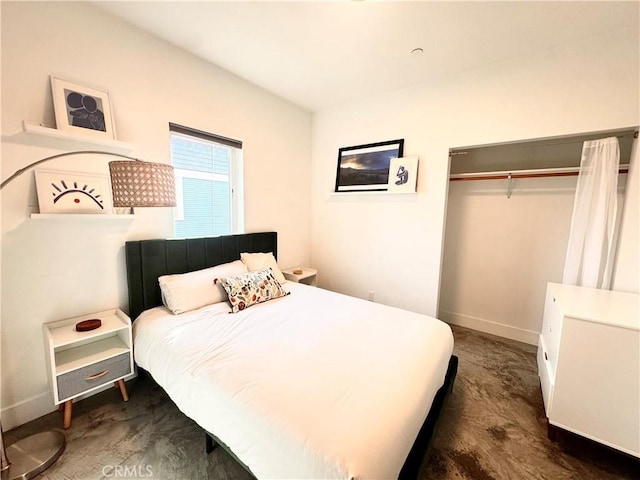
117 146
533 173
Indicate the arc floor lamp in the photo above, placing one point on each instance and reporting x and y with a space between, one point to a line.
134 183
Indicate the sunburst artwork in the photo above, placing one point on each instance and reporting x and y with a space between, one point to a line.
75 195
71 192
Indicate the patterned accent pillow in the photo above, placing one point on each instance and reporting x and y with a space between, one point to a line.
251 288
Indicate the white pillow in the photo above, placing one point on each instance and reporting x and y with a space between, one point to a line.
262 261
188 291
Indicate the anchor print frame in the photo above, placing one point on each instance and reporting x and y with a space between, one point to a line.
82 110
403 175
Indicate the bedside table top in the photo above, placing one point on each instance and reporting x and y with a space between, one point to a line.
63 332
306 273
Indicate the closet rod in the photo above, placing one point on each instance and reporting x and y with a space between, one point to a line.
534 173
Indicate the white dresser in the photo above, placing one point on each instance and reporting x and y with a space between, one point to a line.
589 364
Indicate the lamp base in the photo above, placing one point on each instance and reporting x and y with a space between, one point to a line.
32 455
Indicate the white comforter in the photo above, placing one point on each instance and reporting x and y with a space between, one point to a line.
312 385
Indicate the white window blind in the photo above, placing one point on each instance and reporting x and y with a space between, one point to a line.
208 171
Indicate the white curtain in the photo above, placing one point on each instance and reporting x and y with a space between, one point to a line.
591 248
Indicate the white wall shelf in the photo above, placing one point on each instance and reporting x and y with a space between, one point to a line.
115 146
81 216
373 193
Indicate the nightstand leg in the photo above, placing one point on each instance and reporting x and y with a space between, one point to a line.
123 390
67 413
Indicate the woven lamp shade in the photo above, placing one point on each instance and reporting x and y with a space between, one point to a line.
142 184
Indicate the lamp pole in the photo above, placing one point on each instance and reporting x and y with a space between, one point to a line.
32 455
52 157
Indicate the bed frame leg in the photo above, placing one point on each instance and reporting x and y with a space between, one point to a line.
210 443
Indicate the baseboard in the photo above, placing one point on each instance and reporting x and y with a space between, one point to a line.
35 407
27 410
487 326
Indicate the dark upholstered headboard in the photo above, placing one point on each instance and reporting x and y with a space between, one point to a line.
149 259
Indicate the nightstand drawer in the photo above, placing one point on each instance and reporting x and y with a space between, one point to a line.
91 376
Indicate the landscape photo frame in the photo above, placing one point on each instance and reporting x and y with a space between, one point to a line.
366 167
82 110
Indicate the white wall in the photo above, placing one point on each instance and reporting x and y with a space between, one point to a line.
60 268
500 253
393 246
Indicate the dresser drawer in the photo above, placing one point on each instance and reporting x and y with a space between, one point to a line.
85 378
552 329
545 373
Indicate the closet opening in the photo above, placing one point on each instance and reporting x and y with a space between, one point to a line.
508 217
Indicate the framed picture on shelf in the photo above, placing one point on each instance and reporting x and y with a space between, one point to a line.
82 110
403 175
73 192
366 167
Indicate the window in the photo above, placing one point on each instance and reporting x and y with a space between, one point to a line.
208 171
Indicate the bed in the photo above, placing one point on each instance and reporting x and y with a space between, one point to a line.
310 385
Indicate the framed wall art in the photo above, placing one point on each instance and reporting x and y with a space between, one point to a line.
366 167
73 192
403 175
82 110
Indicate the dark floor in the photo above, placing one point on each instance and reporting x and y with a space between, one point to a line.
493 427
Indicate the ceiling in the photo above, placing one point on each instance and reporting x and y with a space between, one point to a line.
320 54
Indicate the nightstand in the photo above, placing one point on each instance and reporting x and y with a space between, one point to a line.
309 276
81 362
